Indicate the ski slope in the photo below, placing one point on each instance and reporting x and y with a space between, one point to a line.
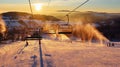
58 54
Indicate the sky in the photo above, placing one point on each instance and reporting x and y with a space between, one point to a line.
60 6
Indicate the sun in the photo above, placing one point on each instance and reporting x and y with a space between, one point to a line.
38 6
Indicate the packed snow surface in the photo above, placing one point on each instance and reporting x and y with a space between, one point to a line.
58 54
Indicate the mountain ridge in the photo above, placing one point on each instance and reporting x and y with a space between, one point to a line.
16 15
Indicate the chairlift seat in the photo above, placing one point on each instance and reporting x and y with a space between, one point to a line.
33 38
64 32
65 29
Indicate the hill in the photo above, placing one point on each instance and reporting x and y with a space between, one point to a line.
17 15
92 17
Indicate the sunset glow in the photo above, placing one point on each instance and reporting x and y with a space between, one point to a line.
38 6
41 6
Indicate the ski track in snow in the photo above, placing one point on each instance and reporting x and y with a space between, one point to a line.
59 54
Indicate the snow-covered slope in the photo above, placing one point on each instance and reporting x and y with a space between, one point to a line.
59 54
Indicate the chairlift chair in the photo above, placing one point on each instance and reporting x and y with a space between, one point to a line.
65 29
35 35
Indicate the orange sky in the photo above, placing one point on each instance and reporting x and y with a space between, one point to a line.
111 6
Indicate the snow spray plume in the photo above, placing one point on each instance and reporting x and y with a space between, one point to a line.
2 25
88 33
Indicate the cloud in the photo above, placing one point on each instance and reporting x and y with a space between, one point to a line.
66 11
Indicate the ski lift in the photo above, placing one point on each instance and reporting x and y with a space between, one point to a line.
35 35
65 29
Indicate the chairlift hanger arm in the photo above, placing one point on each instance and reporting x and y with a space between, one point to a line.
67 19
